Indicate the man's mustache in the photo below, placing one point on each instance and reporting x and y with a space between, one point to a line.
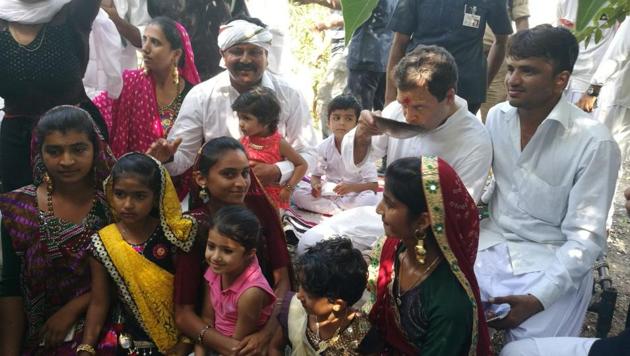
245 66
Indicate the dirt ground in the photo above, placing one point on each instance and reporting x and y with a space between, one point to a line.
618 251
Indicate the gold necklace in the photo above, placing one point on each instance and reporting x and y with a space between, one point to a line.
125 233
418 280
25 47
322 345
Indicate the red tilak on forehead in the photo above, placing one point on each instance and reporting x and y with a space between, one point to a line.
406 100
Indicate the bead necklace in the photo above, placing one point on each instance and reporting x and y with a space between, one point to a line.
53 226
316 339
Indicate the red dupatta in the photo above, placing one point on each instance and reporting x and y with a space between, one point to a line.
455 225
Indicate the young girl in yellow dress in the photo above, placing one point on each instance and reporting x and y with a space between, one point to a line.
138 254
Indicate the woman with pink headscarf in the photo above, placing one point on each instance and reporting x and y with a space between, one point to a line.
151 96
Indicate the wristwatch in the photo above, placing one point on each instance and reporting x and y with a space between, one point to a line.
592 91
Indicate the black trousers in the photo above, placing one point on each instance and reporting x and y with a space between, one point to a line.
368 87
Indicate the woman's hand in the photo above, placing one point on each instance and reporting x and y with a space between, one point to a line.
57 326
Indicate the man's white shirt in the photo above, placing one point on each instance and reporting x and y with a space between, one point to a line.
206 113
551 199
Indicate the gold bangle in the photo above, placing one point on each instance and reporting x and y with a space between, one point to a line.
289 187
87 348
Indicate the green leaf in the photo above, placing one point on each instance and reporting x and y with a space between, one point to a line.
355 13
587 9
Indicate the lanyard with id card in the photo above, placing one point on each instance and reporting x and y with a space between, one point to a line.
471 19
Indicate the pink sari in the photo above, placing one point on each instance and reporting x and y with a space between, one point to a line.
133 120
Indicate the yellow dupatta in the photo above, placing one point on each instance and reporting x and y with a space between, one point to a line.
149 287
146 288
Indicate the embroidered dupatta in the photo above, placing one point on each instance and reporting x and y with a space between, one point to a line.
455 225
144 287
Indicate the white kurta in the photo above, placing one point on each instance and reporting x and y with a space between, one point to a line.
206 113
550 346
331 168
548 208
462 141
104 68
614 99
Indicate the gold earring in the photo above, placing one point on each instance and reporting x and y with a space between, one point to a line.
49 183
203 194
421 252
175 75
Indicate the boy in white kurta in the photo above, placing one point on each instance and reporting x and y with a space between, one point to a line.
333 188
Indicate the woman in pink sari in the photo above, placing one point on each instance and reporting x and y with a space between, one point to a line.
151 97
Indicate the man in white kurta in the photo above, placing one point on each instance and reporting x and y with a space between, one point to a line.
206 112
461 140
331 168
555 171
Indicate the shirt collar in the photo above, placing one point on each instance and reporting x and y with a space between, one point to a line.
559 113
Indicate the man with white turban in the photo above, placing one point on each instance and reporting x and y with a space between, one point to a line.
206 112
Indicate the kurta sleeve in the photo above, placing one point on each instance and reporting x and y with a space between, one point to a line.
584 224
189 126
299 133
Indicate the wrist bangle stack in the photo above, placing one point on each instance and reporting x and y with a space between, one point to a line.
289 187
87 348
202 333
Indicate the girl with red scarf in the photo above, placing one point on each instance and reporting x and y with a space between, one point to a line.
425 295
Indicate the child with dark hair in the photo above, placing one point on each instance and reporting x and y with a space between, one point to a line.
320 318
258 113
239 300
340 189
135 256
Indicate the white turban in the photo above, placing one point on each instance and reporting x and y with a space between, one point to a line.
241 31
30 13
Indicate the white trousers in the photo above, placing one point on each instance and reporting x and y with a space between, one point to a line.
549 346
332 204
361 225
563 318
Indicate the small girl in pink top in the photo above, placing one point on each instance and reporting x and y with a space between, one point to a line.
238 300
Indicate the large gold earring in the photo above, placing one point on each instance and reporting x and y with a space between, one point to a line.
203 194
420 250
175 75
49 183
